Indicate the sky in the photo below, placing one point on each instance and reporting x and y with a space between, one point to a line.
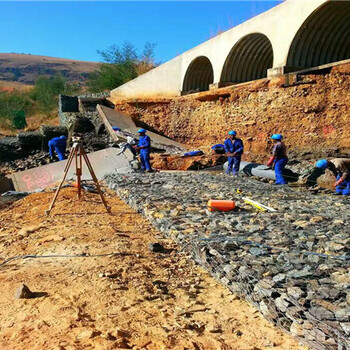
78 29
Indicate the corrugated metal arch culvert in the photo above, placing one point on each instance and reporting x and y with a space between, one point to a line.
248 60
323 38
199 75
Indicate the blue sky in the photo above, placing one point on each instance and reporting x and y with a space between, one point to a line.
78 29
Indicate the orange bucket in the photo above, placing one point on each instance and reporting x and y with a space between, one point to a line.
220 205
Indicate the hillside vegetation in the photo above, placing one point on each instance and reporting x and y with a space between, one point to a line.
40 101
54 76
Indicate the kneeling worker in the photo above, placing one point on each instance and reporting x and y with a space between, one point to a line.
340 167
145 149
279 158
59 145
234 150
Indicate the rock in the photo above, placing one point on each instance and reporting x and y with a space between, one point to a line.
295 292
88 334
282 304
338 222
122 333
316 219
25 231
343 314
213 328
334 247
297 329
346 328
269 311
257 251
321 313
299 273
302 223
178 311
279 278
51 238
156 248
23 292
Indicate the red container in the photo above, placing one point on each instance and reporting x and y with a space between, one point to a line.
220 205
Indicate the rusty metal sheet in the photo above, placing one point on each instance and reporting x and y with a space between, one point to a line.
103 162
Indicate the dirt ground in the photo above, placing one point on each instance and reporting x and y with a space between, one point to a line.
135 299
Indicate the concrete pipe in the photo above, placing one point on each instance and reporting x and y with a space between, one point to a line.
253 169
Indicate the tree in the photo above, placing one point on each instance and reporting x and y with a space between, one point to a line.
47 89
120 65
10 105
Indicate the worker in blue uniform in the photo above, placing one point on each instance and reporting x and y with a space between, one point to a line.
234 150
340 167
279 158
58 145
144 147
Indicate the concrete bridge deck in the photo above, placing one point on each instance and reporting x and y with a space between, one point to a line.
290 37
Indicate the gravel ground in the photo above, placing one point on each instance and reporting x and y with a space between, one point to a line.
293 264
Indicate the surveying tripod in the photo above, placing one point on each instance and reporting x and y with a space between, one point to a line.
77 153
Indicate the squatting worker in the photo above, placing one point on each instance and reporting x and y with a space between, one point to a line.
58 145
340 167
234 150
145 149
279 158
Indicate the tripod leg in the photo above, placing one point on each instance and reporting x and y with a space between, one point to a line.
78 169
69 162
71 154
91 170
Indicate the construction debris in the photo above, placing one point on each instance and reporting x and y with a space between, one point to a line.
104 162
128 127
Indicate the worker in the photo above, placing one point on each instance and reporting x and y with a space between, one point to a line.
279 158
340 167
234 150
144 147
59 145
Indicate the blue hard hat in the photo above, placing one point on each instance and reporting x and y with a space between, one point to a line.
232 132
277 137
322 164
141 130
115 128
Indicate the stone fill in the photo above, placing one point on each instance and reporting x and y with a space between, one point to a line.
293 265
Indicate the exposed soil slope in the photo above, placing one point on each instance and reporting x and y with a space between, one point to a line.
314 117
141 301
13 85
25 68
